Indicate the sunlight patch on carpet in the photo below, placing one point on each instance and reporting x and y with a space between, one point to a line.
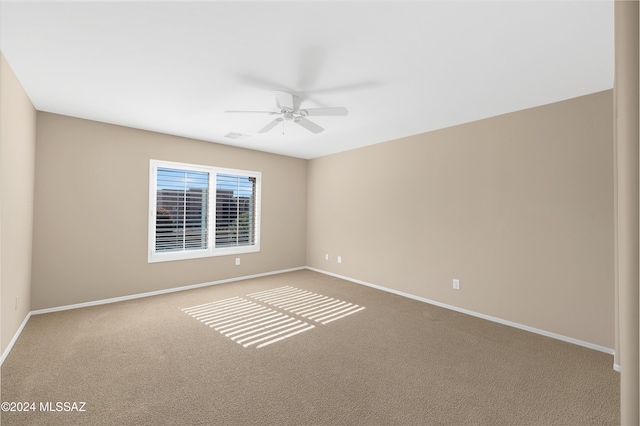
309 305
247 323
253 323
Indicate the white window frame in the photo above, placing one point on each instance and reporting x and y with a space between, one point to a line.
211 250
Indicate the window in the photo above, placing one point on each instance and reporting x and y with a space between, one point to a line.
198 211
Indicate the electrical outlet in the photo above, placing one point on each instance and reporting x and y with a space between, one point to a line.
339 259
326 256
456 284
237 261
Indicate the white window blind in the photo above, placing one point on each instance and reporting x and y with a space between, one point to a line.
198 211
181 210
235 210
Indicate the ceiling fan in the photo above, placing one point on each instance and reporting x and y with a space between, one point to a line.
288 109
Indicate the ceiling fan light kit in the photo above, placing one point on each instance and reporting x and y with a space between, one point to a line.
288 109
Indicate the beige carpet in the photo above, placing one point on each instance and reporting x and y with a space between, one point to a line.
176 359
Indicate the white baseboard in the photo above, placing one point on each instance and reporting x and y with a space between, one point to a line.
5 353
158 292
476 314
400 293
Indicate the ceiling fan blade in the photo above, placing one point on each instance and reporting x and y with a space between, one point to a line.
311 61
309 125
263 84
257 112
287 101
271 125
335 111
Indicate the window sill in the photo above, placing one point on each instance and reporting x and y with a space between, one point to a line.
199 254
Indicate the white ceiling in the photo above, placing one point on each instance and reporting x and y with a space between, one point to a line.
400 67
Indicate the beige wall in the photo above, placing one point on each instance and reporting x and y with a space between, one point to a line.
17 158
518 207
90 223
